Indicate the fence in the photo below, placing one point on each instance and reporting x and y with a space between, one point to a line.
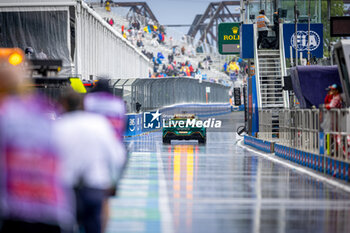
336 127
157 93
318 131
299 129
268 125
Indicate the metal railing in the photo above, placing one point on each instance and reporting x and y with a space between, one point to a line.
300 129
336 127
283 64
157 93
265 124
256 63
303 129
268 124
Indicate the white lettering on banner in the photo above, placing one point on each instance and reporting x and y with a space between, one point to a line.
302 40
132 124
209 123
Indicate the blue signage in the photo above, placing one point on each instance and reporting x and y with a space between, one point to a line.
152 120
247 41
321 135
316 39
233 76
134 125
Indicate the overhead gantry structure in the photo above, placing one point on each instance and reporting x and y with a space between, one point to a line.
140 8
206 24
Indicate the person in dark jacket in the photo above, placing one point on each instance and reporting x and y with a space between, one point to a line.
276 29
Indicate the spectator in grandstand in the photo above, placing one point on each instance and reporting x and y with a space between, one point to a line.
209 59
154 42
161 38
160 58
171 41
93 169
262 22
111 22
206 63
33 196
199 49
233 67
155 66
136 25
190 68
161 29
170 58
225 67
183 50
200 65
139 43
191 51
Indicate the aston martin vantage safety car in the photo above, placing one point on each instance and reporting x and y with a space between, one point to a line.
183 127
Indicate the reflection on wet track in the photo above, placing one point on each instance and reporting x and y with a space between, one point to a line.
220 187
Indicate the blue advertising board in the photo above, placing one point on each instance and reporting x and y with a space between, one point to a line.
134 125
316 39
253 111
321 135
247 41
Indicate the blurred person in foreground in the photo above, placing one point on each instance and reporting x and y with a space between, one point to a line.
101 101
93 158
33 197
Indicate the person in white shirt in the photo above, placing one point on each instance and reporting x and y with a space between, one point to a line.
93 161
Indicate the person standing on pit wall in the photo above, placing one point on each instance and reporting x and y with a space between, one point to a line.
33 195
262 22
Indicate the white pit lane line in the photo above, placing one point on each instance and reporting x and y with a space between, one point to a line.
163 202
297 167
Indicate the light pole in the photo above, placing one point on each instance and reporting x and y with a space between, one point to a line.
296 31
308 38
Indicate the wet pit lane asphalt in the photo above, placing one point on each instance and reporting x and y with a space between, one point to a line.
220 187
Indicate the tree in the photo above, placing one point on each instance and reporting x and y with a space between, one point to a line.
337 9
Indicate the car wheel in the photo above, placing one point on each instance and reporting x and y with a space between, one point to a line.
202 140
166 140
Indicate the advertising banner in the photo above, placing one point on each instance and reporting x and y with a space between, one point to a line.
316 39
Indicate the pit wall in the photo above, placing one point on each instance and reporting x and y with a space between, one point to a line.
317 162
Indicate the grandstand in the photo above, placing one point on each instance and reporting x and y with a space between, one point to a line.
210 70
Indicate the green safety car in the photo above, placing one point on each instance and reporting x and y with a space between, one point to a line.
183 127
